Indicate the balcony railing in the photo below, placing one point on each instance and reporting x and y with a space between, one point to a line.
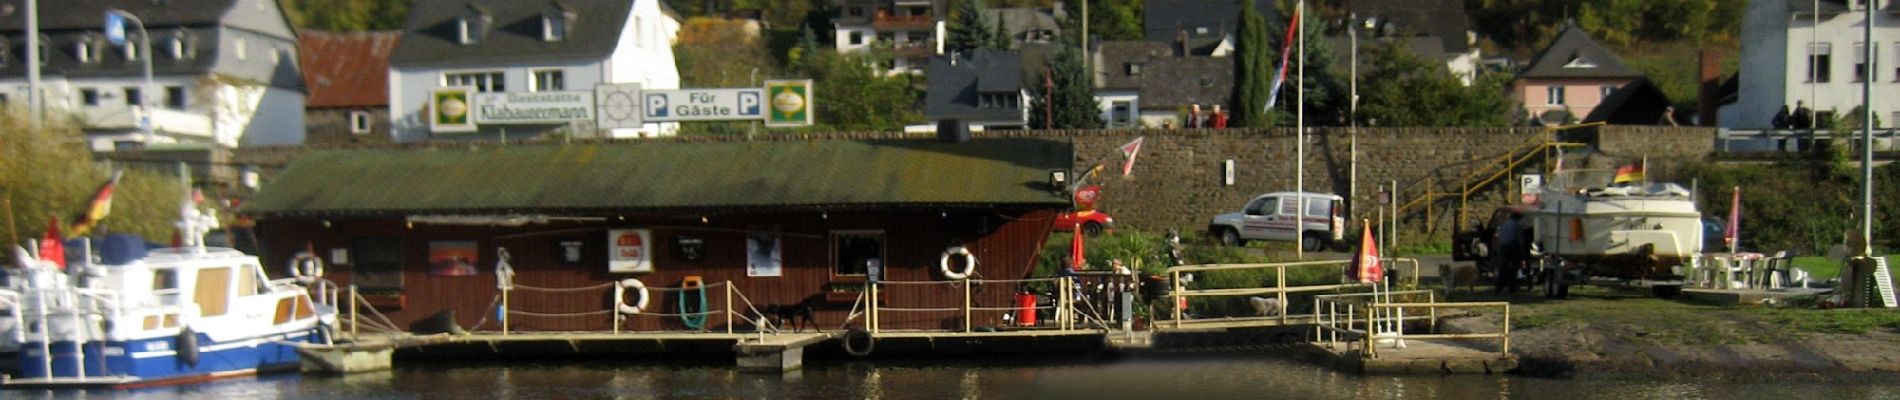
903 22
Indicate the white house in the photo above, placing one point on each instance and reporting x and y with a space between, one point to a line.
224 72
1791 53
522 47
910 27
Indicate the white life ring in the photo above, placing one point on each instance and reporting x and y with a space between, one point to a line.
636 286
969 263
306 267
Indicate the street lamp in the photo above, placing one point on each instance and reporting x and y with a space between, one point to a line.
115 33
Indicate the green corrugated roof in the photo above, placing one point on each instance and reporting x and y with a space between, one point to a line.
584 178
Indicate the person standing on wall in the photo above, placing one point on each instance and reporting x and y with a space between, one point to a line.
1780 123
1218 120
1194 118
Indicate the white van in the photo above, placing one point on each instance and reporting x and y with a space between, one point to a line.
1271 216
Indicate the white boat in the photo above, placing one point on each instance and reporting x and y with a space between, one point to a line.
1625 231
137 318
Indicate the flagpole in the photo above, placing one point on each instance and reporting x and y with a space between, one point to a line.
1299 223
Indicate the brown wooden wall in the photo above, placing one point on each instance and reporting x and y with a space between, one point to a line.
1005 243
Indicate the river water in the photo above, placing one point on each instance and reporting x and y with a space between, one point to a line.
1199 376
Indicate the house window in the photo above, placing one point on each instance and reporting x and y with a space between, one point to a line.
485 82
548 80
133 97
1121 114
857 38
377 263
465 31
553 28
1820 58
175 97
854 252
1607 89
1861 69
89 96
131 50
359 122
237 48
177 45
1134 68
82 51
1554 95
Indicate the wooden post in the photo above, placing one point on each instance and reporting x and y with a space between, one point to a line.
873 306
966 304
504 310
1371 350
729 307
1174 297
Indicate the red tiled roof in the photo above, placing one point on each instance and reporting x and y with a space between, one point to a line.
346 69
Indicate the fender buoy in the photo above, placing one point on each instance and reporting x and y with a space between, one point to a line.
187 345
969 263
858 342
632 284
306 267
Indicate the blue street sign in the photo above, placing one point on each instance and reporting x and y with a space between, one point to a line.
115 28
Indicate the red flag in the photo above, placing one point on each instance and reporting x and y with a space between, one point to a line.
1075 250
1733 235
1370 268
1129 151
100 206
51 247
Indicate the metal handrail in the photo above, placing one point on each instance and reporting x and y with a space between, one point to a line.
1504 335
1516 156
1279 289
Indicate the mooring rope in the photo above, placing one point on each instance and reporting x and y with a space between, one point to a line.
518 286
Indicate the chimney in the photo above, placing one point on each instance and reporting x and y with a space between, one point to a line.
1180 43
1709 80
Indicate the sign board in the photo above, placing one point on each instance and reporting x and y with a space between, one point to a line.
703 105
791 103
534 107
449 110
1530 186
629 250
619 106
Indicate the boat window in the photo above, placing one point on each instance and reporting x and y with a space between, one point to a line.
247 281
213 291
854 252
164 279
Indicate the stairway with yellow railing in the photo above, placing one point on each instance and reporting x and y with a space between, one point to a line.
1483 175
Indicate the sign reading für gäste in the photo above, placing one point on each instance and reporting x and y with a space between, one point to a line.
703 104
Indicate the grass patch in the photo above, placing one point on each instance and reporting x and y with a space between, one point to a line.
1631 314
1821 269
1848 321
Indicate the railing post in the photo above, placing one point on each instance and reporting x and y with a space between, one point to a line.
1432 297
620 295
1372 350
1174 297
729 307
1282 286
873 306
1507 330
353 321
504 310
966 304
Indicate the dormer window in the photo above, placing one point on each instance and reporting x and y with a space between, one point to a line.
178 46
553 28
465 31
130 49
1580 62
82 50
472 26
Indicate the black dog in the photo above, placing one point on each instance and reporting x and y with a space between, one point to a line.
797 316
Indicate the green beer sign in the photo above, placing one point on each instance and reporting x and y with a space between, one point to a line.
790 103
449 110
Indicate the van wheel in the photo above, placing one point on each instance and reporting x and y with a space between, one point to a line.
1313 242
1230 237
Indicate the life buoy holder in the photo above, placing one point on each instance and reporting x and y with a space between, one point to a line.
969 263
858 342
632 285
306 267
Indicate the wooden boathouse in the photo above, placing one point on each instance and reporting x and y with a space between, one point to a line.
786 224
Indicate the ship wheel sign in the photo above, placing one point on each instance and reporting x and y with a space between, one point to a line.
619 105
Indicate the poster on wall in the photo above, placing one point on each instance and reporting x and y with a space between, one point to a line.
762 254
454 258
629 250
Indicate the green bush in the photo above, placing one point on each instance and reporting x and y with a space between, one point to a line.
48 173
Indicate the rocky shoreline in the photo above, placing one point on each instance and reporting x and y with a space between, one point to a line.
1585 350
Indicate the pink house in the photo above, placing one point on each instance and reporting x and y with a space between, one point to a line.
1570 78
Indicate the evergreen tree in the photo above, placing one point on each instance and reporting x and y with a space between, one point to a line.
1000 39
1253 70
1398 88
1326 86
970 28
1074 97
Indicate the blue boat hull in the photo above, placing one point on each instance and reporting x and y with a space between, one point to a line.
155 360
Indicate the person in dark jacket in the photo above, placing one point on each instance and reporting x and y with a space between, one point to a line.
1513 247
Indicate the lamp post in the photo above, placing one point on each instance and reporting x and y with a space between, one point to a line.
115 32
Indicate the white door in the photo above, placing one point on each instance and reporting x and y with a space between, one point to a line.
1284 220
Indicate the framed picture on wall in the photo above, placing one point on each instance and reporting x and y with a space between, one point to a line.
569 250
762 254
689 248
452 258
630 250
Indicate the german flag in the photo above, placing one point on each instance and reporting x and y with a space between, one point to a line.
1628 174
100 206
